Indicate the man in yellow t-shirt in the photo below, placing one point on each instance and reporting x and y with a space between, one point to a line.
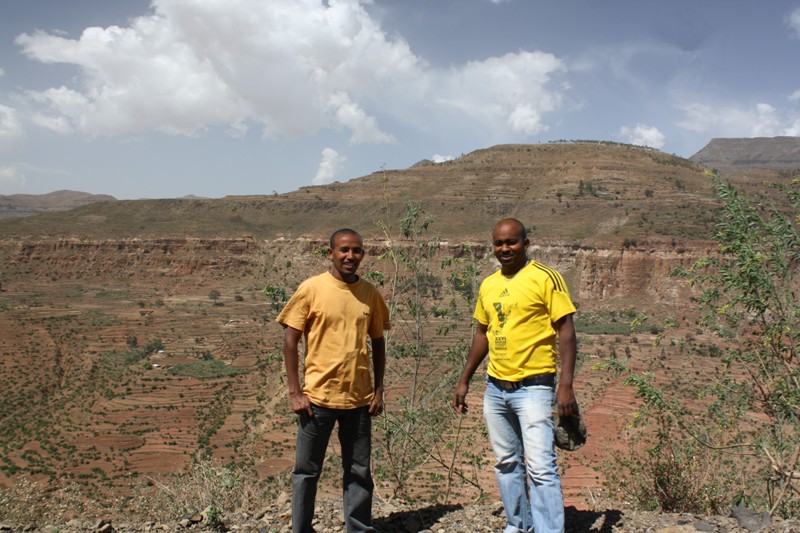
336 312
521 310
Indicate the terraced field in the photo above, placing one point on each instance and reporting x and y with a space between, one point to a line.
123 366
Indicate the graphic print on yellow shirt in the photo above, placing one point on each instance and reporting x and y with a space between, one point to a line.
519 312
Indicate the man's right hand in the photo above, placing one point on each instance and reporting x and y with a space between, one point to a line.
300 404
460 399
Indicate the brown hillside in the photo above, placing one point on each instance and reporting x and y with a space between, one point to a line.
579 193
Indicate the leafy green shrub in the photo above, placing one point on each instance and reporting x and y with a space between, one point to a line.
112 295
420 435
277 296
746 428
214 518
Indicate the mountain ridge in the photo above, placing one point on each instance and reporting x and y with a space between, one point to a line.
726 155
20 205
743 154
577 192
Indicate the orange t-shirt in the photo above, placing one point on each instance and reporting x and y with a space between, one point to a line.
336 318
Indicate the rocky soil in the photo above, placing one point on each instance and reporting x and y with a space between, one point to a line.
391 517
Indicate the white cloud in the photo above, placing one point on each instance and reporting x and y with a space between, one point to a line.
11 131
795 95
291 67
761 121
643 135
196 63
504 92
12 179
135 79
767 123
330 166
793 20
58 124
697 117
438 158
237 130
2 72
364 127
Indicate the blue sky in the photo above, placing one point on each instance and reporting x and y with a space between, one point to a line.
168 98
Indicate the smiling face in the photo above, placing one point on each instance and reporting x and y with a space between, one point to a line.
345 255
510 246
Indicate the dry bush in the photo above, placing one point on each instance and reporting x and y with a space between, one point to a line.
201 485
672 473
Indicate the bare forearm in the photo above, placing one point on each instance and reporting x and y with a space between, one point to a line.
379 361
378 369
291 357
477 353
298 401
567 349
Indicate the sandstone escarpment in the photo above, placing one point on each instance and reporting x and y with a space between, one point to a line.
596 276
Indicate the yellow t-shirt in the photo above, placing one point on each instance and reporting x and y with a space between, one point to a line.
336 318
519 312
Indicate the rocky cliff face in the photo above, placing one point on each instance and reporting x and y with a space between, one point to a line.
597 277
71 259
738 155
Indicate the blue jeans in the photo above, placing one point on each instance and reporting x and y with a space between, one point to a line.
355 437
520 425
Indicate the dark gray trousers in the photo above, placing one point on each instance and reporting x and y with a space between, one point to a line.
355 438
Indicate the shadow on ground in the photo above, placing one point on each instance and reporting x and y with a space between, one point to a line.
579 521
414 520
459 518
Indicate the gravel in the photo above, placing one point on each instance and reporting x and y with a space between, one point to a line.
390 517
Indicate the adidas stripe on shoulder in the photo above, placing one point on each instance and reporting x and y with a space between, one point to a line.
555 277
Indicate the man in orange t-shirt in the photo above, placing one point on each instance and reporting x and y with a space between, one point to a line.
336 312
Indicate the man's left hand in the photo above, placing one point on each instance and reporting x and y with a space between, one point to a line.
376 407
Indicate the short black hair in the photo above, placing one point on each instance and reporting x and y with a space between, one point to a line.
523 231
343 231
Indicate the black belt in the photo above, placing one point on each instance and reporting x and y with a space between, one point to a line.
548 380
